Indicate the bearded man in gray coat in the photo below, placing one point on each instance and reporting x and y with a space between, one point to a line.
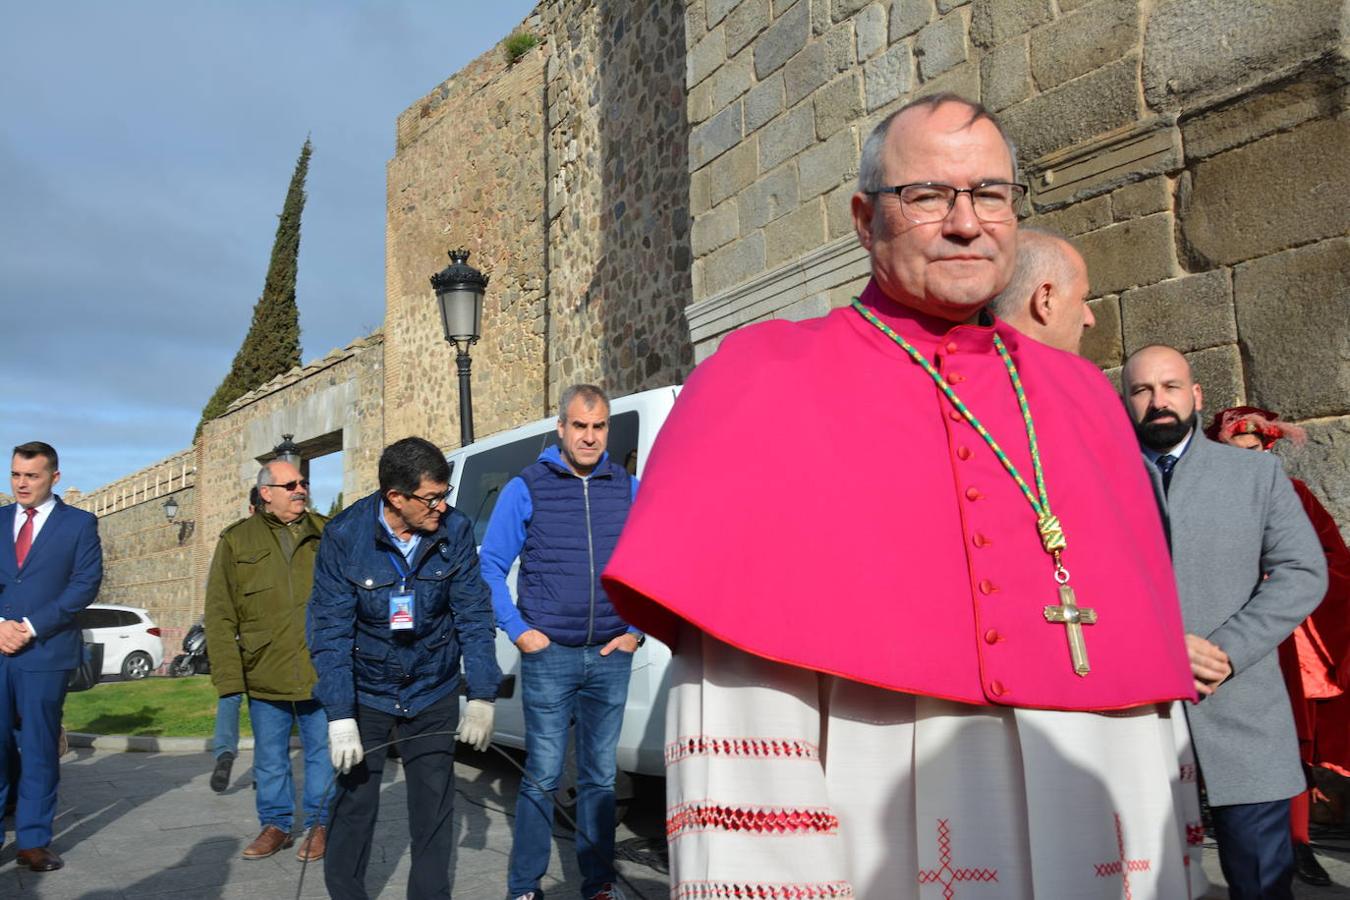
1249 569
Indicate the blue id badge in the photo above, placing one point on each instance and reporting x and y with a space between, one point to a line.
400 611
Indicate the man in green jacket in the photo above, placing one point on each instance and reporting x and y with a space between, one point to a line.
260 581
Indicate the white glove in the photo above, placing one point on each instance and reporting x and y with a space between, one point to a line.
475 729
344 744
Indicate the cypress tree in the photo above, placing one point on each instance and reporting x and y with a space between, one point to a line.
272 345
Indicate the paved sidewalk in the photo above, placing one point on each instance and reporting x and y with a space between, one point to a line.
146 825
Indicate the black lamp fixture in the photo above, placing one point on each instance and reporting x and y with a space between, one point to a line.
287 451
459 291
185 527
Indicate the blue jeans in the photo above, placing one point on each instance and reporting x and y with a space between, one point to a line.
1255 850
272 720
227 725
560 685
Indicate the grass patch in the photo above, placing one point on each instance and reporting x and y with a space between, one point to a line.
157 707
518 44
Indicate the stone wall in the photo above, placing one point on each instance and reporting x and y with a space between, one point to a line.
1192 149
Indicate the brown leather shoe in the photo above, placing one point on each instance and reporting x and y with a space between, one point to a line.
40 859
268 842
315 844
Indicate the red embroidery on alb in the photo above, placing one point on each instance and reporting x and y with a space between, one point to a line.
751 748
1122 865
945 874
704 816
1195 834
758 890
1187 773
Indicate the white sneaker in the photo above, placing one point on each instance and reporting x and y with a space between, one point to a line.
609 892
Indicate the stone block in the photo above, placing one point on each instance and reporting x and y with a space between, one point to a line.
838 104
744 22
1075 44
1102 342
764 101
1316 95
1190 313
946 6
1261 198
993 22
704 57
888 76
1218 371
798 232
872 30
1129 254
812 307
787 135
715 136
782 40
820 16
772 196
818 62
964 81
827 164
714 229
1324 463
1076 111
941 46
717 10
908 16
1292 315
839 211
735 263
695 24
729 82
780 5
1005 74
1142 198
1079 218
733 170
698 107
1197 48
842 9
700 192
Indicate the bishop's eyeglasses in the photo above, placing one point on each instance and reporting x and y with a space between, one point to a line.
926 202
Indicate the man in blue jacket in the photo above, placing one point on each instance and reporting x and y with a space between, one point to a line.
562 517
397 598
51 566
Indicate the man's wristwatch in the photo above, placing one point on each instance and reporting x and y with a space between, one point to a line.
641 638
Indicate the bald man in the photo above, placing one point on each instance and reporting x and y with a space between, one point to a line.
1249 569
1047 296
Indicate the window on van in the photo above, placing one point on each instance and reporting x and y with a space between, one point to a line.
486 473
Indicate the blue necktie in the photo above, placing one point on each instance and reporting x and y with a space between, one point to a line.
1165 465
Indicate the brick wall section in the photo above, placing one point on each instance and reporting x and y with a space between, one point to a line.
1199 170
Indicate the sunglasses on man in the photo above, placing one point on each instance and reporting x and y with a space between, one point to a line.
291 485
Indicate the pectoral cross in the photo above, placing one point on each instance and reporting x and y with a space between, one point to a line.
1073 618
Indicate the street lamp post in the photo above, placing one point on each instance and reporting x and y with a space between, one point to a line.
459 291
287 451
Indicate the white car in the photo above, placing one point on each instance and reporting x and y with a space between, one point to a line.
131 641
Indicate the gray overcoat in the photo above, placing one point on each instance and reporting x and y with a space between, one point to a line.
1232 517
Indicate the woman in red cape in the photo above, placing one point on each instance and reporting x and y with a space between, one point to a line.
1315 659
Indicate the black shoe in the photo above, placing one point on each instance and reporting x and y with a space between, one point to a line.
1309 870
220 778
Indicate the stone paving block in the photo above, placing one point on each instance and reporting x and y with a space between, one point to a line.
1129 254
1075 44
784 38
994 21
941 46
842 9
872 28
888 76
1240 44
908 16
1071 113
1292 316
717 10
1005 74
1260 198
1189 313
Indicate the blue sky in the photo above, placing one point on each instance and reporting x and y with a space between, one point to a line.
144 157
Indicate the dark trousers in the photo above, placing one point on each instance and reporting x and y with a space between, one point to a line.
1255 851
35 698
429 766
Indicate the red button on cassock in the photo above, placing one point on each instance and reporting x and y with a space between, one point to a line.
963 452
987 587
973 494
954 378
991 636
979 540
996 688
955 415
951 346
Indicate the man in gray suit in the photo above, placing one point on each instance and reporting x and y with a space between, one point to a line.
1249 570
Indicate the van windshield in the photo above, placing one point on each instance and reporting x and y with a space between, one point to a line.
486 473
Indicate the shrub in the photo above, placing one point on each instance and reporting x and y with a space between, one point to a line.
518 44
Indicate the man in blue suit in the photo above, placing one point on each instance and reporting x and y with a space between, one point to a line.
51 566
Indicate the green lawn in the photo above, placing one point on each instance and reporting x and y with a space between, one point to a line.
160 707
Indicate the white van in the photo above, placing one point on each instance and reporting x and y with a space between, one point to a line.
478 473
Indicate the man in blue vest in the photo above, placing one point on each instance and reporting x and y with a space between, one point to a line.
562 517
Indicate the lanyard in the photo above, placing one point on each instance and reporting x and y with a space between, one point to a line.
399 564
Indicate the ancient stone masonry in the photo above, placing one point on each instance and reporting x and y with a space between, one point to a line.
1192 149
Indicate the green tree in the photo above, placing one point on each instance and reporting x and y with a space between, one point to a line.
336 506
272 345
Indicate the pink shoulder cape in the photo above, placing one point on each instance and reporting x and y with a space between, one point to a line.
814 499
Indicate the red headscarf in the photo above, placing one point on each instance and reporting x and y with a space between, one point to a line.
1252 420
